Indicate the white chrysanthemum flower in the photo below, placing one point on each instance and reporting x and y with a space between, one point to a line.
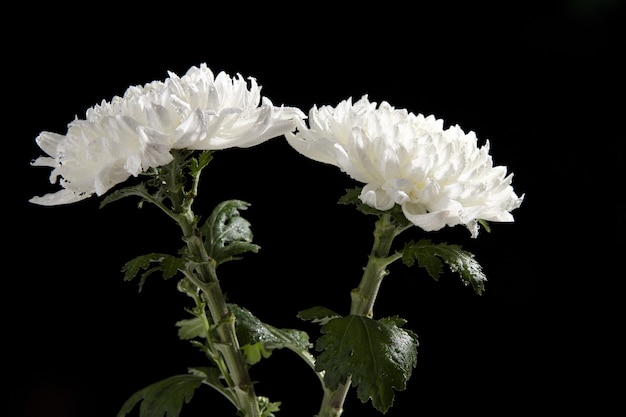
137 131
440 177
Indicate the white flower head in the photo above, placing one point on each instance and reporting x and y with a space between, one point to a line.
137 131
440 177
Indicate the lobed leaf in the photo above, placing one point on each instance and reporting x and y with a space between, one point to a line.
227 233
259 339
318 314
164 398
151 263
430 256
190 328
378 356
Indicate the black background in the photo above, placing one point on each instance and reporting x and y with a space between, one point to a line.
542 80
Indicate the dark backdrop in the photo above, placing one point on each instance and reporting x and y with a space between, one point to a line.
542 80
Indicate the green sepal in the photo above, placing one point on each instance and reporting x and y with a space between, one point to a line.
485 224
153 262
430 255
259 339
378 355
227 234
164 398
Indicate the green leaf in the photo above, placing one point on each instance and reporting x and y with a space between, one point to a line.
259 339
267 407
318 314
351 196
430 256
197 164
167 264
164 398
213 377
190 329
227 233
255 352
139 190
379 356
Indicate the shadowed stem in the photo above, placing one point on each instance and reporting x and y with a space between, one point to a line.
363 298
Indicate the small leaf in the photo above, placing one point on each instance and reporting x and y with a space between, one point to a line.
190 328
485 224
227 233
430 256
134 190
167 264
267 407
318 314
164 398
351 196
260 339
255 352
197 164
379 356
213 377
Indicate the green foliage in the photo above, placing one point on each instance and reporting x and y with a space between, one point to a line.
197 164
430 256
378 355
151 263
164 398
227 233
485 224
167 182
139 190
318 314
259 339
267 407
191 328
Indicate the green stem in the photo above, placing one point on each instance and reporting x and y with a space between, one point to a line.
204 276
363 298
228 344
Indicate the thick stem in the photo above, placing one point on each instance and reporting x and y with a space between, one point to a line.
363 299
225 326
204 276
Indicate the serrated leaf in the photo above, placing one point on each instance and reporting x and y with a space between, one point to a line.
196 165
135 190
150 263
190 329
317 314
227 233
164 398
379 357
267 407
260 339
430 256
351 196
255 352
212 377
